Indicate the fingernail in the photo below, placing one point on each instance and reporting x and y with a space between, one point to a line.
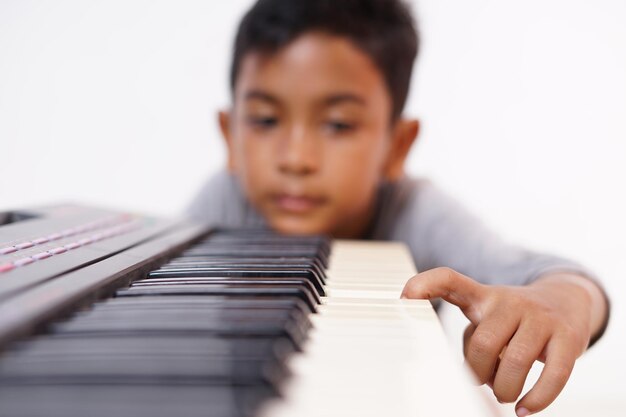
522 412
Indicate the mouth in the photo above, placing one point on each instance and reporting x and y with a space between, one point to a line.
298 204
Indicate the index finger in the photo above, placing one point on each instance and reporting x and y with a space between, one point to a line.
447 284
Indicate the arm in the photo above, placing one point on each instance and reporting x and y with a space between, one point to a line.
551 319
442 233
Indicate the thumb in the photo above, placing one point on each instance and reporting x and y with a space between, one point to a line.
449 285
467 336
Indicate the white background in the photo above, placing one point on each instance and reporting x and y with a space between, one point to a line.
523 107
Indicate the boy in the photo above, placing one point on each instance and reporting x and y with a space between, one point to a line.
316 144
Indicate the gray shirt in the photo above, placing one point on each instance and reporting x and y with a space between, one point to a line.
438 231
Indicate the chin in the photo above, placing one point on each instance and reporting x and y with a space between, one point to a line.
298 227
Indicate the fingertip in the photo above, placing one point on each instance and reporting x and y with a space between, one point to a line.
405 292
522 411
410 289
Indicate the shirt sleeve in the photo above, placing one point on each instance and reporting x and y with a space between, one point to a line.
440 232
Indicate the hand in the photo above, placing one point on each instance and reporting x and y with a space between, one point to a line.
550 320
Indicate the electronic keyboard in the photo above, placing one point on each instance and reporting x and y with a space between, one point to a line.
111 313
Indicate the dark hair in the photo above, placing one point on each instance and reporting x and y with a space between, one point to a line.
382 29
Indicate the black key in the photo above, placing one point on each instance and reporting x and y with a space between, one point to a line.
93 319
173 325
243 235
141 370
192 302
247 290
263 327
135 401
199 282
223 277
281 262
257 252
51 346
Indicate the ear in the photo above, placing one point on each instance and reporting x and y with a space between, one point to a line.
403 137
224 119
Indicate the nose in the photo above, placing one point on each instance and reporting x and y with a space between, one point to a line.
299 153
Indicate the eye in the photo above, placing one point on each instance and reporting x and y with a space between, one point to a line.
262 122
339 126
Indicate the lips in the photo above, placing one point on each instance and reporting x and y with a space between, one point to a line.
295 203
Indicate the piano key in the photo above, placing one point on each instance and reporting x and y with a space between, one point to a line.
192 302
275 262
198 283
142 370
281 262
222 277
265 236
91 318
51 346
225 290
136 401
262 327
235 272
229 308
256 252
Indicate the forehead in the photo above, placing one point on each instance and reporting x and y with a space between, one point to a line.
312 66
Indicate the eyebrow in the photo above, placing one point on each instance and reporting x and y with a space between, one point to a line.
343 98
331 100
261 95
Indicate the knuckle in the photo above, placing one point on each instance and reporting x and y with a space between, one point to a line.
517 359
575 338
569 332
560 374
549 316
447 277
446 270
447 273
483 343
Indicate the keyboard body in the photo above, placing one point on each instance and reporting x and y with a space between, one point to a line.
105 313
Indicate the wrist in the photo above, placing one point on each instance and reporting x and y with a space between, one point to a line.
598 302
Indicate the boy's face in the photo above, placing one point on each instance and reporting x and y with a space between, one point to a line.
310 136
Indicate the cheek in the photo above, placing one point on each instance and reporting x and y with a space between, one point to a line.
356 171
253 157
